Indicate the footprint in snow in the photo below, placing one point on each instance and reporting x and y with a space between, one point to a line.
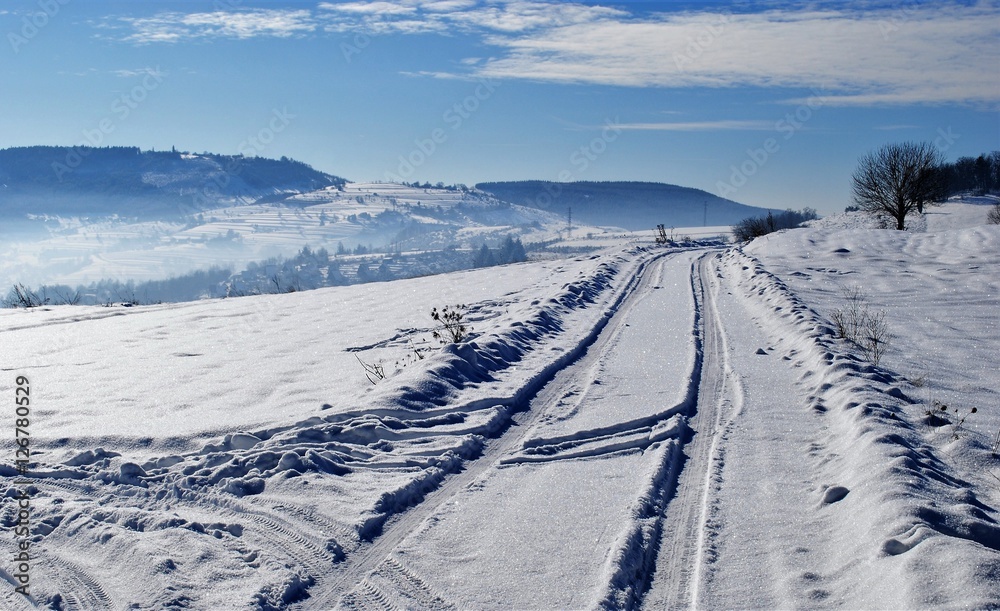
834 494
895 547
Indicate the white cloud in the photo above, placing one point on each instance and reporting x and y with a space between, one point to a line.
699 126
176 26
444 6
930 54
520 16
370 8
924 53
138 72
468 16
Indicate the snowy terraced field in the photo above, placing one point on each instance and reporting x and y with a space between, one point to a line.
643 427
80 251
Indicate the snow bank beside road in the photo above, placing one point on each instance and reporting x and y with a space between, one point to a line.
917 488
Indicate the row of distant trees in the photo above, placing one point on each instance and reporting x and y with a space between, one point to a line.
308 269
975 175
899 179
189 287
311 269
510 250
754 227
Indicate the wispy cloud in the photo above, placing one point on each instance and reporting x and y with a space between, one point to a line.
699 126
444 6
877 55
940 54
370 8
126 73
518 17
173 27
506 17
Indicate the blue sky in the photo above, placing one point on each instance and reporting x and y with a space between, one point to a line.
769 104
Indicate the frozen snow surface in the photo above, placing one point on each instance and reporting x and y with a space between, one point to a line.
643 427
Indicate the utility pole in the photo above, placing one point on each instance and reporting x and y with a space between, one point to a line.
704 221
569 222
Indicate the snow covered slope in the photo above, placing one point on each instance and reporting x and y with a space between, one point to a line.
900 497
642 427
80 249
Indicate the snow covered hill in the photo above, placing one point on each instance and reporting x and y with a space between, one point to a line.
128 182
80 250
631 205
639 427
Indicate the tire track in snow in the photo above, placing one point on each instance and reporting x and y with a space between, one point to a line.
681 547
638 560
77 587
295 537
279 537
290 539
413 585
341 587
397 578
366 596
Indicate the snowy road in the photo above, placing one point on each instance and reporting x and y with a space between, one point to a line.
681 548
565 509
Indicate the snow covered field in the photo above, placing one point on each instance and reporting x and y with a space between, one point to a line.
640 427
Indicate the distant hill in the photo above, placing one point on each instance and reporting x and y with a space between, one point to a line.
630 205
127 181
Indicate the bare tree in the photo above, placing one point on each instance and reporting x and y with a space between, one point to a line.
899 179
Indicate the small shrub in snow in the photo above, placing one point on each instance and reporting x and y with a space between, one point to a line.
918 380
993 216
857 324
375 372
959 424
938 406
453 329
875 339
415 354
754 227
21 296
850 320
68 298
934 417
